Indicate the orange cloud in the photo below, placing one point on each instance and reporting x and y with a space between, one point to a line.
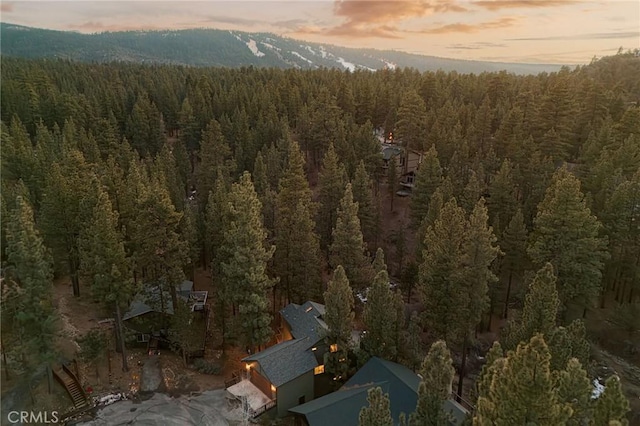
358 31
505 22
512 4
6 7
377 18
373 11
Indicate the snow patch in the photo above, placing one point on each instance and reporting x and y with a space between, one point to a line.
348 65
323 52
300 56
313 52
253 47
598 388
389 65
270 46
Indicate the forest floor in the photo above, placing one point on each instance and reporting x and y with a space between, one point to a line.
78 315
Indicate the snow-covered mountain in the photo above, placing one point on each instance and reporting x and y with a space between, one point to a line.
206 47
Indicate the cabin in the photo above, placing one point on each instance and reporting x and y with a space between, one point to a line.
407 162
288 373
149 314
342 408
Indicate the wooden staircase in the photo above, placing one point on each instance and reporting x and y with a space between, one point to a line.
71 383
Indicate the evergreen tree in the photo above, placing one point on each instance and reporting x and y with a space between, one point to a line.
574 388
103 262
331 183
166 166
215 221
378 262
502 198
567 235
30 304
347 248
539 311
367 211
297 255
184 337
471 193
439 276
611 405
522 390
410 127
19 161
189 132
63 213
380 319
92 348
488 371
160 253
214 155
412 343
378 412
338 300
514 246
244 269
392 180
621 219
478 253
435 387
428 179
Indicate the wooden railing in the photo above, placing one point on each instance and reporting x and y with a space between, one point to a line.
235 378
266 407
466 404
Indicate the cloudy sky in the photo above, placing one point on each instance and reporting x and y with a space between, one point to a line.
550 31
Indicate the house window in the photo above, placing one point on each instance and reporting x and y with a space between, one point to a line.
318 370
301 400
142 338
333 348
401 160
410 178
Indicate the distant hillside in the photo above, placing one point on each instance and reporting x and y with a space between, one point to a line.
207 47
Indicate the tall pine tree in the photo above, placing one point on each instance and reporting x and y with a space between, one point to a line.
347 248
567 235
245 267
338 300
435 387
297 255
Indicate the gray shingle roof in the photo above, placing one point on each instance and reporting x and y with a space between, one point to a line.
285 361
305 321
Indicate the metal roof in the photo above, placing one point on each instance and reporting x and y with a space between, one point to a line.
342 408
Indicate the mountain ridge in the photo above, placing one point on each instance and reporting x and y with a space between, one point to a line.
229 48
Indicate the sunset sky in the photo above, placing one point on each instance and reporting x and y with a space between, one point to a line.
535 31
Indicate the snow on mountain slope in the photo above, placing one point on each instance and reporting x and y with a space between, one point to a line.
270 46
253 47
301 57
347 65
